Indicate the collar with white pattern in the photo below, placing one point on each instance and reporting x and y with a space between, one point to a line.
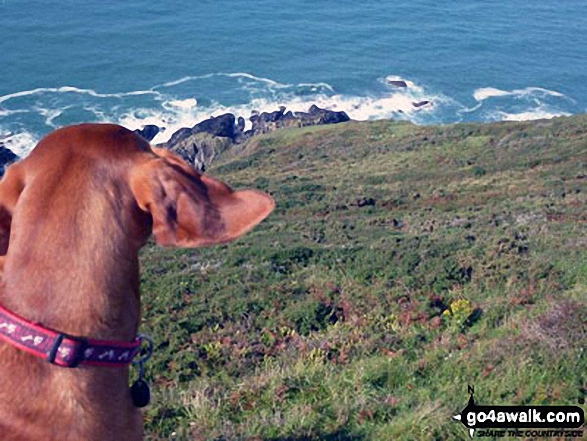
62 349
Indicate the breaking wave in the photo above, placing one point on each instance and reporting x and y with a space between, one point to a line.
28 115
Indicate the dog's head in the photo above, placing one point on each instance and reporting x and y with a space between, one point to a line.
174 202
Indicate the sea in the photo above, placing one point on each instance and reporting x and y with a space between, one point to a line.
175 63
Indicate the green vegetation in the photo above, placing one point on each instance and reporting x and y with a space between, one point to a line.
401 264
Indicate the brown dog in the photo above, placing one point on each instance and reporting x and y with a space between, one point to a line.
73 216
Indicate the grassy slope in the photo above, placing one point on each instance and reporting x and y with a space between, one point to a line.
326 322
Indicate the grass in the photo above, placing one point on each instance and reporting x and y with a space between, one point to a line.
401 264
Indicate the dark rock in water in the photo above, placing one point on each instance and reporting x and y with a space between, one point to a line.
222 126
398 83
421 103
7 157
328 116
148 132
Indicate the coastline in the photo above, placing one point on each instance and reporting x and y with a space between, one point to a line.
27 115
201 143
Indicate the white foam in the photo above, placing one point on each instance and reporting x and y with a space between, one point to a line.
20 144
69 89
491 92
51 114
175 115
528 115
539 100
173 108
6 112
174 111
267 83
249 76
315 87
254 78
186 104
366 108
469 109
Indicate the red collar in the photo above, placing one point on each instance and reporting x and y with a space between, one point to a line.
62 349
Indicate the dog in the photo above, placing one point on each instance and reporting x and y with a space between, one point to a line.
73 216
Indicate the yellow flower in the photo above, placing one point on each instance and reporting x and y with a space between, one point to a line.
460 310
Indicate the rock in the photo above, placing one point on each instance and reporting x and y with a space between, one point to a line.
397 83
274 116
149 131
328 116
199 149
7 157
421 103
222 126
241 123
178 136
201 143
268 122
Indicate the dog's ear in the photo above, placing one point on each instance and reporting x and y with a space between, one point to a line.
11 187
192 210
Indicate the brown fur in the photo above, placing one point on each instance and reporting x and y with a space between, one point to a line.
73 216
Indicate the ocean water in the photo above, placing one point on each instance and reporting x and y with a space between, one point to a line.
174 64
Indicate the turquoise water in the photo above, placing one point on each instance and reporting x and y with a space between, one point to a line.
176 63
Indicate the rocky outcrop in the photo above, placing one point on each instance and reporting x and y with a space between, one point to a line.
7 157
198 149
268 122
177 137
200 144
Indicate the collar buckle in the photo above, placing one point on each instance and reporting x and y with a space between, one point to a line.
75 351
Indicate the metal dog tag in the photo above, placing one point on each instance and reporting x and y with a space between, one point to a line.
140 393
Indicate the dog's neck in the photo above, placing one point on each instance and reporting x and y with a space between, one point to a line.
77 301
81 278
94 296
